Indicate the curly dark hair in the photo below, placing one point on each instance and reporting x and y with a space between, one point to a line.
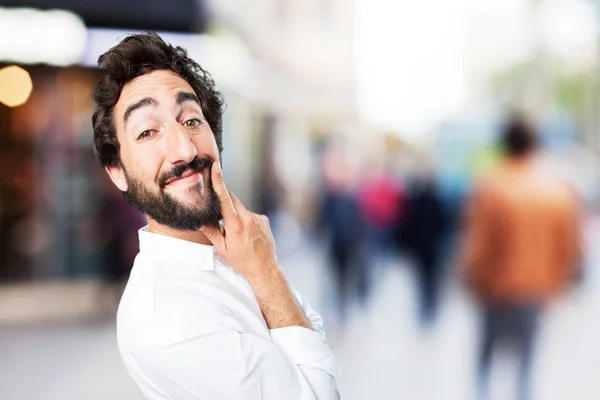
138 55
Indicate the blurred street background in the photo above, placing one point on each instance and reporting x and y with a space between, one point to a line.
362 129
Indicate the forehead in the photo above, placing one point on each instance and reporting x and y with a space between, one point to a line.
156 84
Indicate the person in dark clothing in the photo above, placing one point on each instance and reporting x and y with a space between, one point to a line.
118 225
340 224
422 233
341 220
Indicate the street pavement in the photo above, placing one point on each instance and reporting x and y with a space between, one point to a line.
383 352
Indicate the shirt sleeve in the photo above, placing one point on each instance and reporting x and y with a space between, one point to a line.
194 360
309 350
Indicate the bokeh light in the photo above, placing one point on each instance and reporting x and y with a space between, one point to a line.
30 36
15 86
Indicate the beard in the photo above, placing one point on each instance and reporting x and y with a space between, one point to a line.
166 209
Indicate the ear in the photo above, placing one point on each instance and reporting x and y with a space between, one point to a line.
117 175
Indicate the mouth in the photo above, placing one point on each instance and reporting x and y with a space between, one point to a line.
188 177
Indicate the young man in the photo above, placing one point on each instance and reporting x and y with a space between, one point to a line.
207 314
521 248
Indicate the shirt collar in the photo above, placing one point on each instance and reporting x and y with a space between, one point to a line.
177 251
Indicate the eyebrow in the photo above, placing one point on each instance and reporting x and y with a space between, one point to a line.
181 97
145 102
187 96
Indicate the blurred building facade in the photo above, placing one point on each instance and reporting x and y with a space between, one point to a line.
301 84
285 69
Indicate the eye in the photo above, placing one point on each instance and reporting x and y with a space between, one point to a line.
192 123
146 134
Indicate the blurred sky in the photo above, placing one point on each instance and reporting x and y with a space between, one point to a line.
416 66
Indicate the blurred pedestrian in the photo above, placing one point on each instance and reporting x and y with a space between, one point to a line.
521 248
421 235
340 220
118 225
381 200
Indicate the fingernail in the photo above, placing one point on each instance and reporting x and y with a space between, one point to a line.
217 166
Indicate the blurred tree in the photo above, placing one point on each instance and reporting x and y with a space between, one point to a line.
508 85
569 90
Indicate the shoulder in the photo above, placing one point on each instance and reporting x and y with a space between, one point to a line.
166 298
137 301
485 187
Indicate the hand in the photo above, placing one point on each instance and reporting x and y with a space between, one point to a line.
247 243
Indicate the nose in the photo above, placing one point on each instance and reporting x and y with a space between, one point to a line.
180 148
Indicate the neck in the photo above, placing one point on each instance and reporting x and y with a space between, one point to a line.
190 236
522 158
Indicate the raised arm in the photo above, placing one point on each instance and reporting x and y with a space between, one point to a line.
247 245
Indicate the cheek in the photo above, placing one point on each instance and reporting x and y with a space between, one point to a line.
144 165
206 145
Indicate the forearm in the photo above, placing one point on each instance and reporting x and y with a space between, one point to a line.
279 306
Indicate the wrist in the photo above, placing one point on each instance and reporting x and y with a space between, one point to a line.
279 305
264 279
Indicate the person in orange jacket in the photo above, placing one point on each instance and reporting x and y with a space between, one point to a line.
521 247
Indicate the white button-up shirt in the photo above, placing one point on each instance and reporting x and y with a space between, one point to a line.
189 327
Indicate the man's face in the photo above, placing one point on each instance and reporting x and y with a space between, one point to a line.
166 149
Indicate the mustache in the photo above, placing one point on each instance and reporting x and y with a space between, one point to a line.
196 165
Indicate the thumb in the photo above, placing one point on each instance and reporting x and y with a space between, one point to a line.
214 234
